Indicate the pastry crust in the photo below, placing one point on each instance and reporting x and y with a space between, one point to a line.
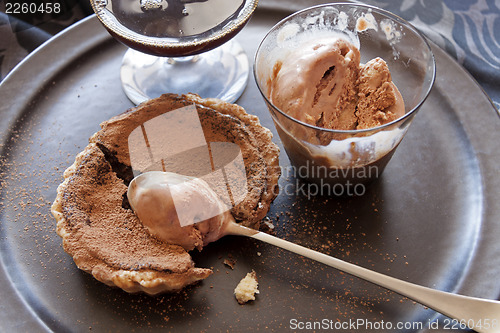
247 288
101 232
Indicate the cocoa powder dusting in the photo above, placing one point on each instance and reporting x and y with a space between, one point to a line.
104 230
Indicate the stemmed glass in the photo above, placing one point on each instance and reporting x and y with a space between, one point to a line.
179 46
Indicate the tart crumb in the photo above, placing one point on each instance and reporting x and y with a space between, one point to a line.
229 262
247 288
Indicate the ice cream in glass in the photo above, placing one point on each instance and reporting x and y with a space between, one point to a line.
343 83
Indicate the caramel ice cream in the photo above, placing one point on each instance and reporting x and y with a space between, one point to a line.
339 114
324 84
319 80
178 209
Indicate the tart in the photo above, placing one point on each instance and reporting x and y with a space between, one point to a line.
100 230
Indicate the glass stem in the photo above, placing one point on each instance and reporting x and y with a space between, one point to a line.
186 59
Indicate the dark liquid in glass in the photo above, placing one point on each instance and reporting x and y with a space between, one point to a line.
181 27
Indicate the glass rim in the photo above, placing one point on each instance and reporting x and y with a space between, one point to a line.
389 15
150 41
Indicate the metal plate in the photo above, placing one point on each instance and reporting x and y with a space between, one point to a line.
431 219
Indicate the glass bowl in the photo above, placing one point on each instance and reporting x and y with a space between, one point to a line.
334 159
